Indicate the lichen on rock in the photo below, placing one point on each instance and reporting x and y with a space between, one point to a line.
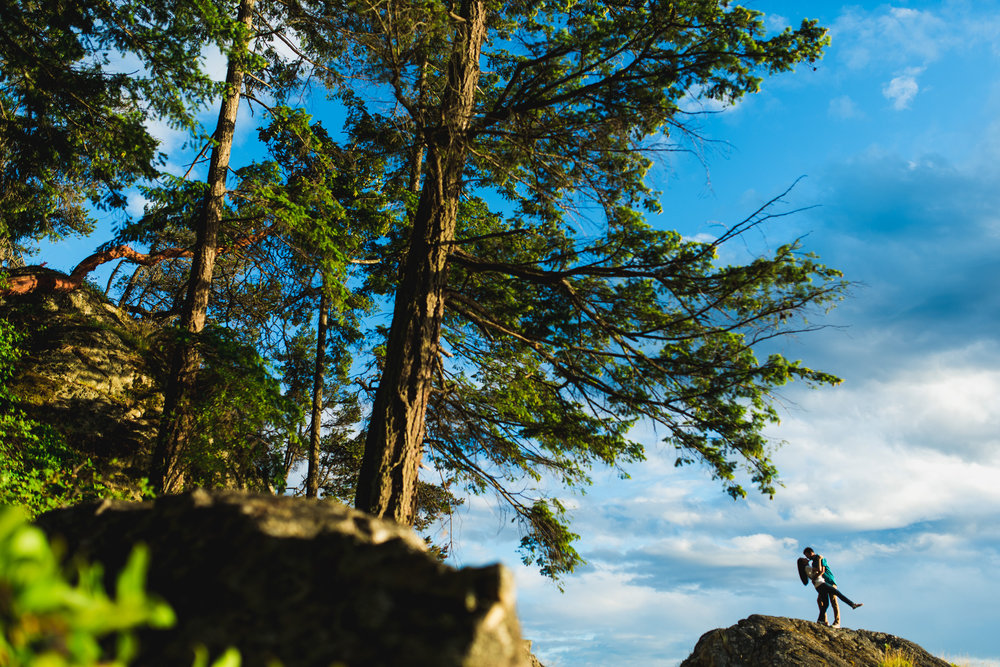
88 373
774 641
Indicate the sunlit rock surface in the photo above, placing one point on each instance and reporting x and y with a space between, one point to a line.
89 372
773 641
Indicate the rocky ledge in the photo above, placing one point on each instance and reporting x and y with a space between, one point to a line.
772 641
303 582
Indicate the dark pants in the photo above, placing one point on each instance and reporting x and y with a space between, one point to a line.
826 591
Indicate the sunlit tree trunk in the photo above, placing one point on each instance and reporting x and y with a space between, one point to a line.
312 473
166 474
417 155
388 479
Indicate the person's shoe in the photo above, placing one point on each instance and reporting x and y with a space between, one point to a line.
836 624
855 606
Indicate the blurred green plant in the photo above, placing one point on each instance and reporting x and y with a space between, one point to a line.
47 621
230 658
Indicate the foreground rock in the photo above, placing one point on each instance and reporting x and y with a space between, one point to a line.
771 641
304 582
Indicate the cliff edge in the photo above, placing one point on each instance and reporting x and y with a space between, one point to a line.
774 641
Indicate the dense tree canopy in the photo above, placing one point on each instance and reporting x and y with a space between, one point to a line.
491 185
78 82
525 343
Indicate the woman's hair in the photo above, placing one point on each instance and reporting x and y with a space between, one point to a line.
802 564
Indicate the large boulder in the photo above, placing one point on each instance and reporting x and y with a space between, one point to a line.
772 641
89 371
304 582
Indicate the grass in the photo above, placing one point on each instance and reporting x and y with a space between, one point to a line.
895 657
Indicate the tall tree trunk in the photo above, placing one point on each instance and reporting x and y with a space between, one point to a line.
312 474
417 155
175 425
387 481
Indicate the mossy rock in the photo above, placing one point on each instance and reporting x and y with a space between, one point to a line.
90 371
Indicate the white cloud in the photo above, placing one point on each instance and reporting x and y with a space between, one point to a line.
903 88
170 139
136 204
892 477
695 104
844 107
776 22
897 35
968 662
616 619
214 62
695 101
892 474
702 237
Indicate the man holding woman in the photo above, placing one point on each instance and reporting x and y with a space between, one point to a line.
815 568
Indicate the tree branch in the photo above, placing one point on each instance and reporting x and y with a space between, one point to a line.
53 281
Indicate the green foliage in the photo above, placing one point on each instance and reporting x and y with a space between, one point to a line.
47 621
310 208
555 342
326 201
230 658
568 319
566 344
548 542
570 97
242 417
72 124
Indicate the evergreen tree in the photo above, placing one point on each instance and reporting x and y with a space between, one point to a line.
176 423
518 344
309 210
78 81
536 315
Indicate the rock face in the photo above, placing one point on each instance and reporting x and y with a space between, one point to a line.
770 641
87 371
302 581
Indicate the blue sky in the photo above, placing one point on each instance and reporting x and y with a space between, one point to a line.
893 474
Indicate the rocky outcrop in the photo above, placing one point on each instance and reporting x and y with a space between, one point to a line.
305 582
87 372
770 641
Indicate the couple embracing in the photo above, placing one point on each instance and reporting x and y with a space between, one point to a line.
815 568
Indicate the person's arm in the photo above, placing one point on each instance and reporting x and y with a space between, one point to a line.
818 565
